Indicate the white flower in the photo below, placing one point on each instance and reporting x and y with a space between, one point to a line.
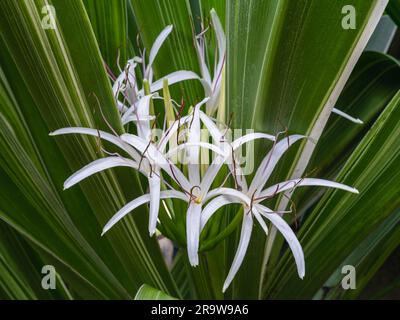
152 157
146 158
127 85
251 198
212 84
193 217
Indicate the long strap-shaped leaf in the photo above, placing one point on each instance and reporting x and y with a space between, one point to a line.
341 222
146 292
367 259
318 124
178 51
279 77
371 86
109 21
62 70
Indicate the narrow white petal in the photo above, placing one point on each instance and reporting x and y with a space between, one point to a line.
194 138
205 73
202 102
137 142
125 77
250 137
173 78
133 118
154 187
156 47
211 174
228 192
291 239
269 162
98 166
131 110
213 206
207 88
138 202
166 194
177 176
260 219
247 227
215 94
170 132
143 127
102 135
157 158
294 183
221 41
126 83
125 210
237 173
149 149
193 219
188 145
121 107
135 60
117 85
347 116
211 127
219 32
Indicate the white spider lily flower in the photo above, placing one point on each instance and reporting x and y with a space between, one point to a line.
212 85
149 160
194 189
155 151
126 82
251 199
227 149
144 132
193 218
157 161
199 190
154 50
347 116
193 194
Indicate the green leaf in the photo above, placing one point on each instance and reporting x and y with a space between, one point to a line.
178 52
284 80
393 9
374 82
181 276
218 5
146 292
20 272
371 86
56 73
109 22
367 258
340 222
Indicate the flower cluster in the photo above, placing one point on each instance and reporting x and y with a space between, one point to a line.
192 182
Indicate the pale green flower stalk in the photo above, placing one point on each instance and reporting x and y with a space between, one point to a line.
194 184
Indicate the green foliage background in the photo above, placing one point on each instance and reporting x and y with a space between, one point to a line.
288 64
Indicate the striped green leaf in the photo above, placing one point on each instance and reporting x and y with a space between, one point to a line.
276 81
59 76
146 292
340 221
